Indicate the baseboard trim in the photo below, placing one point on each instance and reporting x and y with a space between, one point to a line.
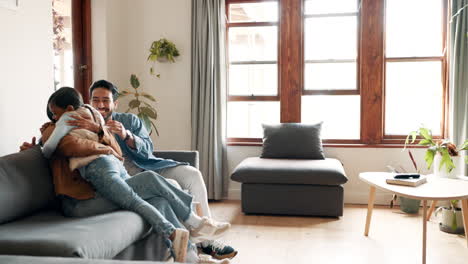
381 198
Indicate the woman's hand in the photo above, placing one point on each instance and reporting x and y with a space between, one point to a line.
81 122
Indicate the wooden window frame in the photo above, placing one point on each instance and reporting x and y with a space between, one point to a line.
399 139
334 91
247 98
371 74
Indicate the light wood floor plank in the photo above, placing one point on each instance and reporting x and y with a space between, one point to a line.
395 238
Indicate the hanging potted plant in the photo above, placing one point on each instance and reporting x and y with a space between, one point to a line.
162 50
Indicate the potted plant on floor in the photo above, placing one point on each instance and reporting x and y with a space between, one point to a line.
407 205
451 218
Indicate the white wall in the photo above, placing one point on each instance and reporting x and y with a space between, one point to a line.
26 71
128 28
123 31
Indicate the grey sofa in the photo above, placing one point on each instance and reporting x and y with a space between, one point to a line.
31 222
12 259
291 186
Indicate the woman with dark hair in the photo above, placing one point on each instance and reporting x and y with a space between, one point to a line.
97 158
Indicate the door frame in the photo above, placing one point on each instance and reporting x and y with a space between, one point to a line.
81 45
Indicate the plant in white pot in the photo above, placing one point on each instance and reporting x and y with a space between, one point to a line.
451 220
441 152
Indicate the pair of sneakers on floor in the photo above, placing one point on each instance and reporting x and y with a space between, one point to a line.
202 230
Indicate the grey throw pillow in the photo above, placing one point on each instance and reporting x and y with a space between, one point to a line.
293 141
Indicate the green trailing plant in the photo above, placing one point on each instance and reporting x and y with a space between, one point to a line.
160 50
444 147
453 206
143 109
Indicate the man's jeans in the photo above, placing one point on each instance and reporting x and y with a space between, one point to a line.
143 194
191 179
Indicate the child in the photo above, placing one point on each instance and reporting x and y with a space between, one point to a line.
104 170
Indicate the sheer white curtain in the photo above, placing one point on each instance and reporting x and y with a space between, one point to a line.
458 78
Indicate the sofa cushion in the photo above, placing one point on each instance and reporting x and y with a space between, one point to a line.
292 141
290 171
51 234
10 259
25 184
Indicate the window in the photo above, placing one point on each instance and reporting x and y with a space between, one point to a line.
413 66
62 43
330 68
371 70
253 68
72 44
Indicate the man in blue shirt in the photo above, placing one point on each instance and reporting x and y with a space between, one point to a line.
137 148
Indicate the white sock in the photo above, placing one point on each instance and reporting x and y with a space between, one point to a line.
192 256
193 220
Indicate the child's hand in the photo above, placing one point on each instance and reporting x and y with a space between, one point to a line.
27 145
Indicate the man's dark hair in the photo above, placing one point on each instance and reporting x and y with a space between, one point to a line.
64 97
106 85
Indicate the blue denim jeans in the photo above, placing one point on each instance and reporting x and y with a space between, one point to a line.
143 194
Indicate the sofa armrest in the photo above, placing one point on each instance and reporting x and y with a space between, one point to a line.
179 155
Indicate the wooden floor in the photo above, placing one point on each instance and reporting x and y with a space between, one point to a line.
394 237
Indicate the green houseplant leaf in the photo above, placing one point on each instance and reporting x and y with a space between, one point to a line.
134 103
429 157
145 111
146 122
412 135
425 133
464 146
446 160
426 142
123 93
134 81
148 96
453 205
149 112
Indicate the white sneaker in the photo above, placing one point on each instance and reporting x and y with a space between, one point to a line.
207 259
179 244
208 230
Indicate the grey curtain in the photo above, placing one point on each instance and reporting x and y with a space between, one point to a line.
458 78
208 93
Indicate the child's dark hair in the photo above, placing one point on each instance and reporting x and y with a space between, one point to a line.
64 97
